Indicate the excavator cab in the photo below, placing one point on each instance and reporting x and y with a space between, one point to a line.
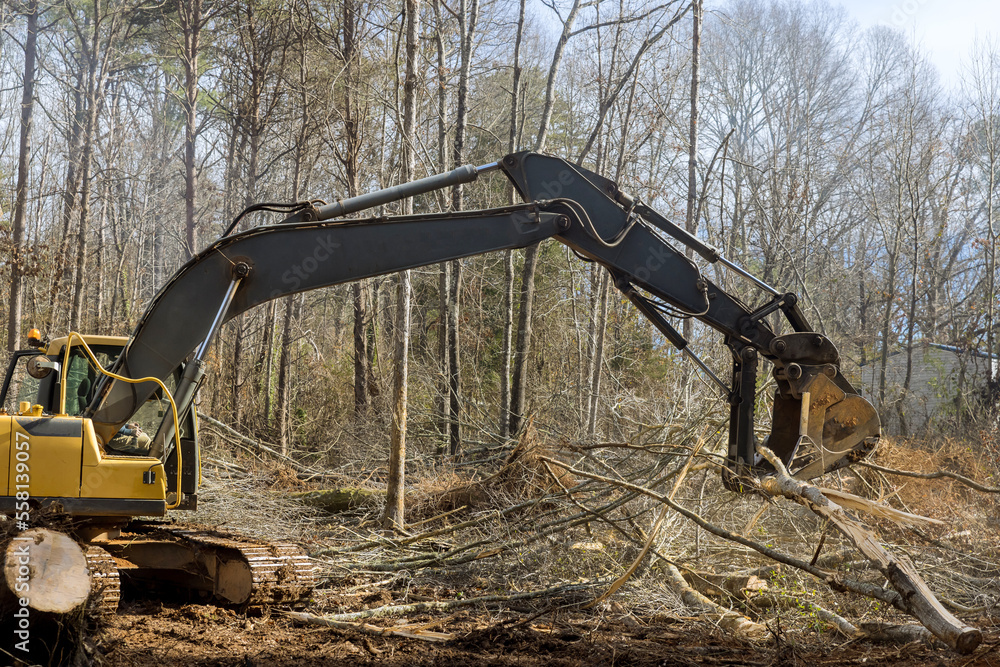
91 478
30 378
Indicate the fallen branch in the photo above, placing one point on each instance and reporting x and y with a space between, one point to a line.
898 634
437 532
727 619
851 501
831 579
229 432
839 623
445 605
472 551
971 483
740 587
369 629
917 599
652 534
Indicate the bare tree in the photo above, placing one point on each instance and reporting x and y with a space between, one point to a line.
519 386
96 30
394 503
690 219
21 196
192 20
982 87
508 261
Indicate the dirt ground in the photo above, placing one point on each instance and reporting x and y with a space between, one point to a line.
155 634
638 629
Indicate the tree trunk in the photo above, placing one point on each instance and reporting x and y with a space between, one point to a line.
467 18
393 518
350 158
915 597
444 347
508 334
236 405
266 358
454 361
91 101
690 221
395 501
191 24
361 366
80 280
519 386
284 379
284 388
21 198
508 264
443 402
47 568
522 349
595 380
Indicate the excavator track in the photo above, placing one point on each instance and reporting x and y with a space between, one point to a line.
230 569
105 582
279 572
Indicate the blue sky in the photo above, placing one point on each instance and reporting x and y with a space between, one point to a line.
944 28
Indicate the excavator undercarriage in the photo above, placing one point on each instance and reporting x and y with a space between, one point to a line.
227 569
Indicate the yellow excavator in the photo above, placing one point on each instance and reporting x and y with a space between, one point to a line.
103 429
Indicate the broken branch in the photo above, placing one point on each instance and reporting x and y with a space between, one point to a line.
915 596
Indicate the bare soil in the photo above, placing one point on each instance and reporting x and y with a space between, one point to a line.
155 634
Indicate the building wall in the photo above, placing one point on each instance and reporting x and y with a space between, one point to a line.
942 379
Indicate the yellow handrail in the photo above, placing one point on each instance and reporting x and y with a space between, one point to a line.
173 406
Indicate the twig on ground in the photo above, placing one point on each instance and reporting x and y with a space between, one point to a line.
835 582
652 534
447 605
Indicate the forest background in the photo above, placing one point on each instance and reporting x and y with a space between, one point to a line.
827 160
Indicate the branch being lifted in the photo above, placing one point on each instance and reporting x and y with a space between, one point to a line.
915 596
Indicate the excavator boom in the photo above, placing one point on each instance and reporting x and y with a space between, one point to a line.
819 421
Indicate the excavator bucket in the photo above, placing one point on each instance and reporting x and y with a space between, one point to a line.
822 429
819 422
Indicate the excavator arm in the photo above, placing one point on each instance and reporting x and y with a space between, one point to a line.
819 422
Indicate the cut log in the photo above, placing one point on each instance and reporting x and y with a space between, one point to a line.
339 500
727 619
740 586
916 598
48 569
45 585
898 634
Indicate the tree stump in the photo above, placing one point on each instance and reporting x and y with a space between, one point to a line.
46 571
45 585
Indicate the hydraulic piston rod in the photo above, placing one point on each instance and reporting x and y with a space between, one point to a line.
463 174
